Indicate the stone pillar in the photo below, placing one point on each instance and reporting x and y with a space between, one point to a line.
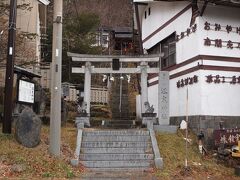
87 85
163 98
144 88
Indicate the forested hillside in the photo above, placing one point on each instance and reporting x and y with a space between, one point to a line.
112 13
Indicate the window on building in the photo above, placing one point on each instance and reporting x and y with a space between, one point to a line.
149 11
168 47
145 13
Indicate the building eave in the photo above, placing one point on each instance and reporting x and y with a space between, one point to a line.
25 72
229 3
45 2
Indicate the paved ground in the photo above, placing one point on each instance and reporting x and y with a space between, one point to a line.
118 176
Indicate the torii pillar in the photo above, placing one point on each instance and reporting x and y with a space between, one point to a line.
144 88
87 85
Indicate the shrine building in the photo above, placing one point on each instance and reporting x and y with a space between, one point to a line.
201 45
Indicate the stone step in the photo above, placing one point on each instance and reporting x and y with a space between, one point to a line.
117 117
128 169
116 99
130 132
115 174
120 122
115 157
122 113
115 104
114 144
124 108
120 126
122 119
116 138
117 164
124 116
141 150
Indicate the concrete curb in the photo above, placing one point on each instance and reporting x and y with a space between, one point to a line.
157 158
165 128
75 161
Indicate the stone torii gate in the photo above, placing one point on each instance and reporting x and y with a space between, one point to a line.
143 69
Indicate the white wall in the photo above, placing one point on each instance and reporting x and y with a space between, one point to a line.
160 14
178 96
188 47
204 98
193 44
220 99
143 1
153 97
214 14
29 21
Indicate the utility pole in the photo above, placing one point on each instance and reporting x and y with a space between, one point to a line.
56 78
8 96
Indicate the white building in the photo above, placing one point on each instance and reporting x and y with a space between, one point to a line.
201 45
32 21
31 27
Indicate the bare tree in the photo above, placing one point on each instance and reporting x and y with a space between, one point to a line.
25 51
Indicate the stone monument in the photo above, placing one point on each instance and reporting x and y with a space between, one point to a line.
149 117
82 118
28 128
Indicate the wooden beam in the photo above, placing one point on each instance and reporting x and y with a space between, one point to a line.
195 11
204 7
139 28
141 3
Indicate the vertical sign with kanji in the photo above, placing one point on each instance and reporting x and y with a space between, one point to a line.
163 98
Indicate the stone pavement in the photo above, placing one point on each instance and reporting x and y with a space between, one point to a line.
121 175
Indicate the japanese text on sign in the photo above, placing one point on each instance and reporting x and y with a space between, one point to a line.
226 136
163 97
219 43
219 27
222 79
190 30
187 81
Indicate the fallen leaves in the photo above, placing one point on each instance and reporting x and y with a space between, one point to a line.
21 162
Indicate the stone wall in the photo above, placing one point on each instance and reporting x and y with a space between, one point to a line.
208 124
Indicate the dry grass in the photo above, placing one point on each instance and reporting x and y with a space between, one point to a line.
37 162
173 151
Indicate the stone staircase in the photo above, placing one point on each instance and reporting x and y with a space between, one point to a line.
122 118
120 124
119 150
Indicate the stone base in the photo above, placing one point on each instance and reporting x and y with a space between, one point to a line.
149 115
207 124
158 163
82 122
74 162
165 128
149 118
